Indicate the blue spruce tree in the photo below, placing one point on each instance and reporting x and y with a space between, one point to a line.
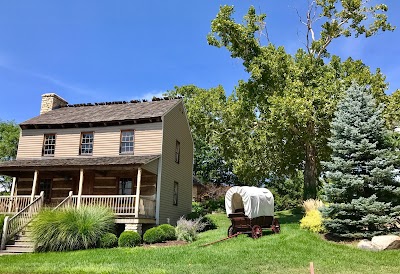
361 189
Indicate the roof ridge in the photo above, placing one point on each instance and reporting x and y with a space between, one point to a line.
154 99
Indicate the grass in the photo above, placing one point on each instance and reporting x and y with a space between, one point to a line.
289 252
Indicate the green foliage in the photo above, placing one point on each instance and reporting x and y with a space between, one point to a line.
71 228
154 235
288 192
129 239
197 210
169 231
108 240
205 109
278 121
2 217
313 221
9 136
363 195
209 223
187 230
392 110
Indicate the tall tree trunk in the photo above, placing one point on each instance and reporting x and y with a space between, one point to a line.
310 165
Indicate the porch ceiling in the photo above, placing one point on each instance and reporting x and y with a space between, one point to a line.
94 163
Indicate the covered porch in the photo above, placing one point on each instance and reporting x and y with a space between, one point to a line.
125 184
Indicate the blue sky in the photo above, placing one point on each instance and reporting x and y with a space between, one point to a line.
93 51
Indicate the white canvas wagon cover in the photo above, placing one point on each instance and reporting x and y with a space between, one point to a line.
255 201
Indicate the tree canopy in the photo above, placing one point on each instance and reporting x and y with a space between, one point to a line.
9 136
279 118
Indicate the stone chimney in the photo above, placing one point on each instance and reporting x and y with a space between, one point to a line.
51 101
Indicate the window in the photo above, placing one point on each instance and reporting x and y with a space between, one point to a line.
49 145
126 146
177 151
86 147
175 197
125 186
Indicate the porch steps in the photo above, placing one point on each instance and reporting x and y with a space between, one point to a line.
21 244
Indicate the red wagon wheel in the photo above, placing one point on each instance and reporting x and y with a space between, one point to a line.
256 231
275 227
231 231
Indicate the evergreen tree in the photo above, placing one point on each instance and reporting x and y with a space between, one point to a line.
361 188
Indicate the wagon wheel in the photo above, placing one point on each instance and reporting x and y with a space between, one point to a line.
275 227
256 232
231 231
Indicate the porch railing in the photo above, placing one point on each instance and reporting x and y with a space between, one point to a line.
17 222
13 204
122 205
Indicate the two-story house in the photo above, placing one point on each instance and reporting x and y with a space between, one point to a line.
133 157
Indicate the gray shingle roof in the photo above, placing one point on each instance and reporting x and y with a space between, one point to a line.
103 113
76 162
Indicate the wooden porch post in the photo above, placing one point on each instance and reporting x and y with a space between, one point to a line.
35 177
12 194
138 182
80 188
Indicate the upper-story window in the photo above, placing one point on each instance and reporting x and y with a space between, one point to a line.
86 147
49 145
177 151
126 146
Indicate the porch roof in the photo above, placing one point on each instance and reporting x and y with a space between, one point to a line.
8 167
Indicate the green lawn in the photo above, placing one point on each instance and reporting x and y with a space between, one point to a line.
289 252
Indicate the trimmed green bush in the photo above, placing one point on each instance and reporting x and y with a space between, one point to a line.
154 235
169 231
71 228
209 223
108 240
129 239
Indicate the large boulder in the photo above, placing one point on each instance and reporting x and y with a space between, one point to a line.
386 242
367 245
379 243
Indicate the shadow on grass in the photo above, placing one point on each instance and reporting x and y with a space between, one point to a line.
289 216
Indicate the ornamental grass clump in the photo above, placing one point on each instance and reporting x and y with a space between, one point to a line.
129 239
169 231
187 230
154 235
71 228
312 204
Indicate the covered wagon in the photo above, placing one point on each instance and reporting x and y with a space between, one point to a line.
250 209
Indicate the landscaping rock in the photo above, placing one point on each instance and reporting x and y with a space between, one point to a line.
386 242
367 245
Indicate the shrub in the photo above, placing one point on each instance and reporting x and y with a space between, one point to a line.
2 217
313 221
129 239
108 240
154 235
71 228
209 223
198 208
187 230
169 231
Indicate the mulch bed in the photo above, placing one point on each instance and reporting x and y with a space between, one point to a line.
167 243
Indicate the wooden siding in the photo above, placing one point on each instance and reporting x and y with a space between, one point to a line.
176 128
148 139
152 166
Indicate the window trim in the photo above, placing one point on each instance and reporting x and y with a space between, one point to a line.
133 142
175 194
177 151
80 143
43 145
